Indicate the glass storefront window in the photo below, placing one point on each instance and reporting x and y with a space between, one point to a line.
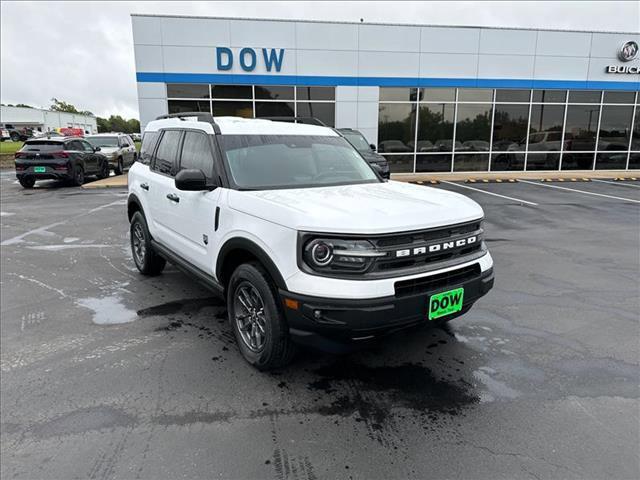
316 93
615 128
512 95
325 112
232 91
543 161
182 106
580 127
475 95
507 161
510 127
393 94
549 96
274 92
635 140
471 162
577 160
275 109
435 127
438 94
546 118
619 97
611 160
584 96
433 163
400 163
233 109
187 90
473 128
396 127
634 160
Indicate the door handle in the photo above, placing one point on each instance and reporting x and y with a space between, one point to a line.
144 186
173 197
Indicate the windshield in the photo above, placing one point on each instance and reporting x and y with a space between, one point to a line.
103 141
357 140
260 162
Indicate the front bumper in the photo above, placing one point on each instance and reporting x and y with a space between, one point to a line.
336 324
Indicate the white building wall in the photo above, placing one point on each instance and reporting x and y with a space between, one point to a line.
46 119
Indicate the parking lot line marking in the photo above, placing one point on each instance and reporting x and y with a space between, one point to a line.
490 193
581 191
616 183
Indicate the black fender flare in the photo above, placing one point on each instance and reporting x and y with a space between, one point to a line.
133 201
240 243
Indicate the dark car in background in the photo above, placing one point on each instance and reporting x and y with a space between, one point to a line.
355 138
13 133
68 158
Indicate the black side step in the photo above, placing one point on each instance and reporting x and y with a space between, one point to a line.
202 277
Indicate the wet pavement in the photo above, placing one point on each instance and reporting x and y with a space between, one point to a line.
108 374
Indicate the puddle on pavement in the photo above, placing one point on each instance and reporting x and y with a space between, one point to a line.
108 310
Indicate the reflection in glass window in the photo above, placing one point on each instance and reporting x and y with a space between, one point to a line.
316 93
584 96
546 118
510 127
471 162
615 128
634 160
433 163
549 96
635 141
611 160
325 112
400 163
274 92
435 127
619 97
396 127
438 94
233 109
577 160
507 161
506 95
580 128
187 90
232 91
543 161
180 106
275 109
475 95
473 128
393 94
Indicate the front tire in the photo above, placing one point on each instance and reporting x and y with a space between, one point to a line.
104 170
27 182
119 167
147 261
257 318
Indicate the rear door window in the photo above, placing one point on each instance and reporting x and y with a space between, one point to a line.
167 153
149 140
196 153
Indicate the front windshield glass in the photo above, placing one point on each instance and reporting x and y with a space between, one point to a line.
357 140
259 162
102 141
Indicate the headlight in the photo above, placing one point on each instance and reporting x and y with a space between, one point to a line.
335 255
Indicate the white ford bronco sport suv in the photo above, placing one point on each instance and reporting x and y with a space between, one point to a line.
308 244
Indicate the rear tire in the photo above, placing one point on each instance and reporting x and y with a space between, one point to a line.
15 137
257 318
119 167
147 261
78 175
27 182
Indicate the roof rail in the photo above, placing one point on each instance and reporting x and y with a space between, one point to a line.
200 116
307 120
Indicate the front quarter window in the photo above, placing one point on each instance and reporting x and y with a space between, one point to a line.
261 162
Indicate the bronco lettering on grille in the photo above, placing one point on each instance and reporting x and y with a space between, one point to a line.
436 247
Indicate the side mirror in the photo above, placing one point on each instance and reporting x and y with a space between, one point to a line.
373 147
192 180
97 149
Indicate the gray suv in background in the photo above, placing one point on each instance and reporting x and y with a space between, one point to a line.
117 147
368 151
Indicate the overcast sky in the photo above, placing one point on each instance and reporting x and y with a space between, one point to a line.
82 52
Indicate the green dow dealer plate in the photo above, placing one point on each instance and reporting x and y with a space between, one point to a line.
39 169
445 303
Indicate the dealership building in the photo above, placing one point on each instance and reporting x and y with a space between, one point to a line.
431 98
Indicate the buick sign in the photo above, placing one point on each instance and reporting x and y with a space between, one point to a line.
628 51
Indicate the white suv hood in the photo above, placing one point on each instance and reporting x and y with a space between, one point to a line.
367 208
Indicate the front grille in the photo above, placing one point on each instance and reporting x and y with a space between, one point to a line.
451 278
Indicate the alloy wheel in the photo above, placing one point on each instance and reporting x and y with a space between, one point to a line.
250 316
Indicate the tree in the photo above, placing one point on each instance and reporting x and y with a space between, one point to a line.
115 123
62 106
23 105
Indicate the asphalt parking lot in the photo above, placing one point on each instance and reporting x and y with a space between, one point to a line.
106 374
